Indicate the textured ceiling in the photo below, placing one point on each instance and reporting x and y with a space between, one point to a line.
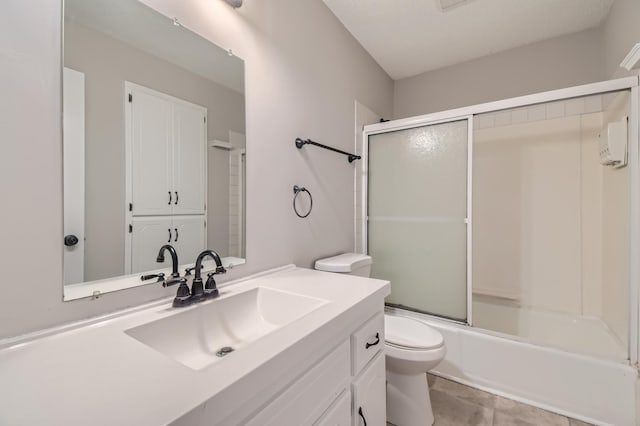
409 37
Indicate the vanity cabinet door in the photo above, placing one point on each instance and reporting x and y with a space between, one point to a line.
369 395
305 401
148 234
339 414
151 143
189 159
188 237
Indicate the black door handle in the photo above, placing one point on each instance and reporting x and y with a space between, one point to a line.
169 235
176 240
169 203
176 203
362 415
368 345
70 240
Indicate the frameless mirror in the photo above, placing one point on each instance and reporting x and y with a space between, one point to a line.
154 146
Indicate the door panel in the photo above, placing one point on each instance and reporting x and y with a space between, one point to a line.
188 237
189 159
369 395
149 234
151 156
417 216
73 151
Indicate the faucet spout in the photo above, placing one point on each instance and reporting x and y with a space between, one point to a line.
174 259
216 258
198 292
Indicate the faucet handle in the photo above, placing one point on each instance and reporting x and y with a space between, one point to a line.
210 289
174 281
183 295
187 271
160 277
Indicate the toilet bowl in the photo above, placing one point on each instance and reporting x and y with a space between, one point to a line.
412 348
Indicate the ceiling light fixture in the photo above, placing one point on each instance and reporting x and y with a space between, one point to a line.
234 3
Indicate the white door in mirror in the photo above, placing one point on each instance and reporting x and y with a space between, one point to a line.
73 151
166 177
185 233
152 192
189 158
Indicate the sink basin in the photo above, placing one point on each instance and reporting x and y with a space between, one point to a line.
196 336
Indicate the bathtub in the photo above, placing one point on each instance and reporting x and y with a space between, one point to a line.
575 333
592 389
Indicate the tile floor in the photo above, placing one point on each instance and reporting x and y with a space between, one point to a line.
455 404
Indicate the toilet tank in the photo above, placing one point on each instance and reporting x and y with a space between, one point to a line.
346 263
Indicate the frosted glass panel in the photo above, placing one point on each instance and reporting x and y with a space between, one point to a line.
417 232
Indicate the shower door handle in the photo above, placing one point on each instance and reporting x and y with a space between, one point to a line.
368 345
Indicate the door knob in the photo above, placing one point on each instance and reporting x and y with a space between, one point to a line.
70 240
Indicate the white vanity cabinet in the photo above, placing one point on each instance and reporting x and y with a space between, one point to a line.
185 233
303 330
369 397
368 368
346 387
166 138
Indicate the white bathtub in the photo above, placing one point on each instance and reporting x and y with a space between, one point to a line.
575 333
588 388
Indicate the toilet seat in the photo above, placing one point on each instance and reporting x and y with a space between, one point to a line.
411 334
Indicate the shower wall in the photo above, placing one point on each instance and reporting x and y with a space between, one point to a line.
615 231
550 224
530 191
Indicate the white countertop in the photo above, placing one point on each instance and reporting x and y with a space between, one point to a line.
96 374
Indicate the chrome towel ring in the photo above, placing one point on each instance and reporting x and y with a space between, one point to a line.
297 190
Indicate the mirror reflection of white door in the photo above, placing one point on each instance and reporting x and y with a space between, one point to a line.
73 157
237 177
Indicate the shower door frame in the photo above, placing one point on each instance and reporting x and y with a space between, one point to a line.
365 193
468 113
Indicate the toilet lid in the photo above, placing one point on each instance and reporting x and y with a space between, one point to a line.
411 333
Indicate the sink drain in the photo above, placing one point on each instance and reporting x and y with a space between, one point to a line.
224 351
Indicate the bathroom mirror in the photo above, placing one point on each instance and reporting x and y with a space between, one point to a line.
154 146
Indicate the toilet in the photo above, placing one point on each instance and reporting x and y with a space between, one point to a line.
412 348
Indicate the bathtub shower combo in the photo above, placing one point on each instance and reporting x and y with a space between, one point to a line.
511 227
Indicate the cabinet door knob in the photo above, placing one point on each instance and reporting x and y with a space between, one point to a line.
176 240
362 415
176 203
368 345
169 203
169 235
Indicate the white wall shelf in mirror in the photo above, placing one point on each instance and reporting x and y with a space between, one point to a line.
183 88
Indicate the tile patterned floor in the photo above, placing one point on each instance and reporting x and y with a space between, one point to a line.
455 404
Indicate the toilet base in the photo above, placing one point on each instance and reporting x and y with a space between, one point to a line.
408 400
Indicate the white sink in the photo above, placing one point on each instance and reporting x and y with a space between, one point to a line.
193 337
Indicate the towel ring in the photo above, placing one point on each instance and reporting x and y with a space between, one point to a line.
297 190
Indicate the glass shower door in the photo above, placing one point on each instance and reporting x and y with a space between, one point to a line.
418 216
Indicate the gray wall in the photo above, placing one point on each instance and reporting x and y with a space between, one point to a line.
581 58
553 64
303 72
107 63
621 33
